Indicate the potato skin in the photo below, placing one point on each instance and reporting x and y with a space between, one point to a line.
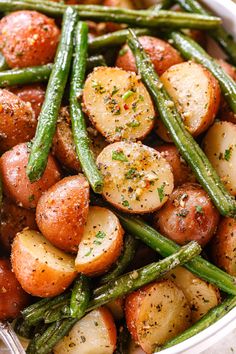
181 172
16 184
223 246
62 212
188 215
162 54
28 38
12 297
34 94
17 121
14 219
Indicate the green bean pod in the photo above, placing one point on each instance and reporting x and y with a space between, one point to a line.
80 297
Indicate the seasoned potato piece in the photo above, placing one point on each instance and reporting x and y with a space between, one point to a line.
101 243
118 104
95 333
136 178
157 313
62 212
17 121
224 246
162 54
220 147
124 4
200 295
41 269
188 215
196 94
225 112
16 184
117 308
162 132
13 299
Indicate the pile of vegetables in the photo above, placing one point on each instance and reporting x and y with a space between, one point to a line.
117 141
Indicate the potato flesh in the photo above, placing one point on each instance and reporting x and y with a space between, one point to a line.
140 183
90 335
118 104
220 148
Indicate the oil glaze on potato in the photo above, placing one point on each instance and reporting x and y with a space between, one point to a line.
118 104
16 184
101 243
62 212
41 269
188 215
28 38
156 313
13 298
94 333
196 94
224 246
162 54
17 121
136 178
220 147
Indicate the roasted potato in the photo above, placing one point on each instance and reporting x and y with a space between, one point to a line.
137 179
116 308
162 54
62 212
156 313
94 333
28 38
101 243
196 94
123 4
41 269
16 184
188 215
220 147
224 246
118 104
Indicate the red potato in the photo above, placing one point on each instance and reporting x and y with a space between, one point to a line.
181 171
101 243
62 212
156 313
13 298
162 132
16 184
94 333
116 307
162 54
17 121
41 269
188 215
196 94
28 38
124 4
224 246
34 94
14 219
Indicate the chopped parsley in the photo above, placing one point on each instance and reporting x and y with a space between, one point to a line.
89 252
98 87
114 90
131 173
31 198
125 203
183 213
161 192
97 242
100 234
127 95
119 156
199 209
133 124
228 153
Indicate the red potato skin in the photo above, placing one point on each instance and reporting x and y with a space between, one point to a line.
162 54
182 173
28 38
12 297
111 26
17 121
62 212
16 184
34 94
111 327
188 215
14 219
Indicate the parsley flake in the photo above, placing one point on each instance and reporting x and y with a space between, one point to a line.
161 192
119 156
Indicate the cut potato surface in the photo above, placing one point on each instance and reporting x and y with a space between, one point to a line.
118 104
101 243
95 333
196 94
41 269
136 178
157 313
200 295
220 147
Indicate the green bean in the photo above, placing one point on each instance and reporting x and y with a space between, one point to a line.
48 116
94 61
3 63
80 297
206 321
80 134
